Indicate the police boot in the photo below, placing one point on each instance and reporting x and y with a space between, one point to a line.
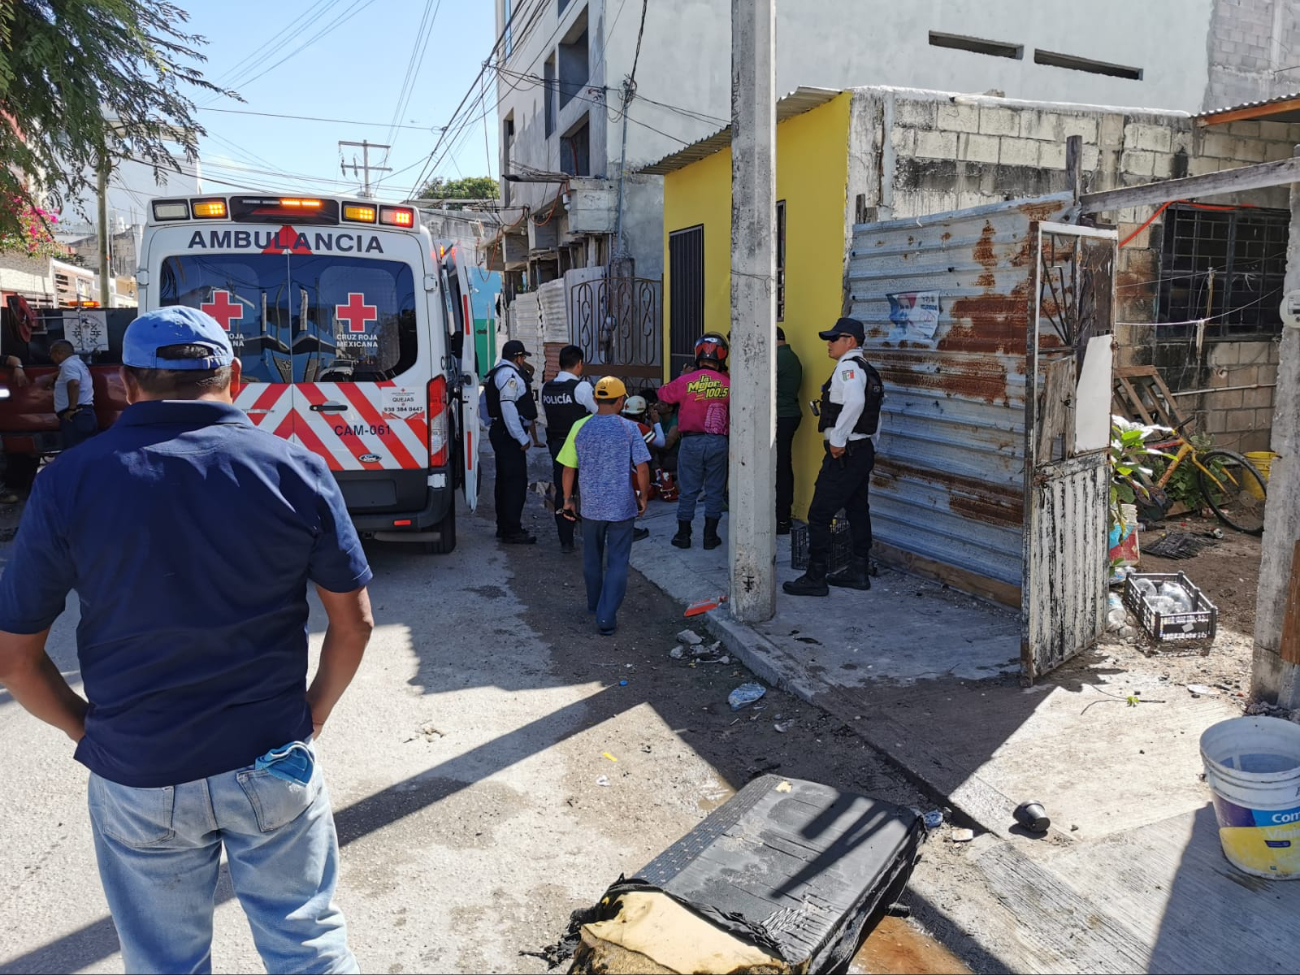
855 575
811 583
683 537
711 537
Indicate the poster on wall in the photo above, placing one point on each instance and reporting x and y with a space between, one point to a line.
915 315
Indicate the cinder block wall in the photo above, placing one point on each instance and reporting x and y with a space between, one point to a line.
951 155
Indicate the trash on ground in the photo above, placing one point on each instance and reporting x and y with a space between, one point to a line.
961 835
602 780
933 819
622 683
677 652
702 607
1178 545
746 693
780 728
1033 817
609 756
690 638
1202 690
1169 606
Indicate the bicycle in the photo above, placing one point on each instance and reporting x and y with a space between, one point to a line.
1231 485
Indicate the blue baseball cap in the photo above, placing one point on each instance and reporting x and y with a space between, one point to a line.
175 325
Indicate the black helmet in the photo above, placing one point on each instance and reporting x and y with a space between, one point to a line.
711 347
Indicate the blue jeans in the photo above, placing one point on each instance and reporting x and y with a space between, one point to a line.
701 464
606 548
81 427
159 849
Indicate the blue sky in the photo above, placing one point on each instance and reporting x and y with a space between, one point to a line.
353 72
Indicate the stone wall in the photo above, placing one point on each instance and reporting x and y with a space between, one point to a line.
1251 47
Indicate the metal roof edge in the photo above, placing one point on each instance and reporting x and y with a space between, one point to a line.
971 98
802 99
1065 199
1259 103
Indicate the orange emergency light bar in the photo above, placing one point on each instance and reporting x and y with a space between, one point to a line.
358 212
210 209
397 216
299 203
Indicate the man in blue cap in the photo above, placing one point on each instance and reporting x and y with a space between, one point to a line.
849 415
189 535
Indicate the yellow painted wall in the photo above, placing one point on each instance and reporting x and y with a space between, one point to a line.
812 178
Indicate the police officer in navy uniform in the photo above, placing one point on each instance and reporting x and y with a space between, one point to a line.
509 400
849 415
566 399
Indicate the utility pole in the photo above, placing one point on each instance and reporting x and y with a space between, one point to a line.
1275 673
105 269
752 510
365 166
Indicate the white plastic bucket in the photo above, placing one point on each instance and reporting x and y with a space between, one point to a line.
1253 766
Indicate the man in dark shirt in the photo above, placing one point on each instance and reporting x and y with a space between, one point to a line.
190 536
789 377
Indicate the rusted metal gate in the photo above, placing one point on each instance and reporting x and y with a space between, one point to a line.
1068 359
616 322
947 301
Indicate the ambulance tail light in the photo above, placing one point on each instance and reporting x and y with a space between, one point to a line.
171 210
358 212
209 209
438 431
397 216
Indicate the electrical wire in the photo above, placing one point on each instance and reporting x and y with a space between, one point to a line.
413 66
315 118
276 38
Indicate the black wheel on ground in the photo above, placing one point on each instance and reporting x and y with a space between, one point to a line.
1236 492
446 543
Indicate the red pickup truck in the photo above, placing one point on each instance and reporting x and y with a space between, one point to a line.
28 425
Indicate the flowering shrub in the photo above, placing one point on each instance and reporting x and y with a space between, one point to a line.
36 236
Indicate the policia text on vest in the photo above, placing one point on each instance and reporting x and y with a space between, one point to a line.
566 399
849 416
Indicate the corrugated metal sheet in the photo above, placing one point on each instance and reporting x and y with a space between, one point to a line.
796 103
1066 605
555 311
949 483
1292 115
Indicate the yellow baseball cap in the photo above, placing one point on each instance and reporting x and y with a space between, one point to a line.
610 387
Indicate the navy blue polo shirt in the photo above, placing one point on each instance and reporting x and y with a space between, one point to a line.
189 536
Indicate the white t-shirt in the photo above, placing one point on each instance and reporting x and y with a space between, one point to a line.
73 368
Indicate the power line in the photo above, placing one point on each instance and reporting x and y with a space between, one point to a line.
329 28
275 38
315 118
414 63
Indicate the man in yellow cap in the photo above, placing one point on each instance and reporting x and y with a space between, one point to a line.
597 455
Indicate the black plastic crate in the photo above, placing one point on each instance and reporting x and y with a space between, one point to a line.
1202 623
841 544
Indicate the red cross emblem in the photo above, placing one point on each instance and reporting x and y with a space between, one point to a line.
356 312
223 309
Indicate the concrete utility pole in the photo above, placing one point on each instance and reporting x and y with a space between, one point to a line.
1275 674
752 509
365 168
105 259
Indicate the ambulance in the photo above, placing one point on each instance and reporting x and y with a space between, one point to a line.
355 342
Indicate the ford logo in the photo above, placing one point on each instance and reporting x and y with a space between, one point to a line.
370 458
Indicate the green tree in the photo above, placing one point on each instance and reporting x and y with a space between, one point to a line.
467 188
88 80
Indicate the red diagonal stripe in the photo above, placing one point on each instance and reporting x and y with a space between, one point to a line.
350 440
265 401
313 443
372 416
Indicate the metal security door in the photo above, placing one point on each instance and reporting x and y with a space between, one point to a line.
1067 429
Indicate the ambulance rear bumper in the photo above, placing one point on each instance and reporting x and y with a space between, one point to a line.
437 501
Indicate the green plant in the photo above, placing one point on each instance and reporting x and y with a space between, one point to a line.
1130 458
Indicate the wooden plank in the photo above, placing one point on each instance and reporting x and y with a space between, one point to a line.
1134 401
1289 648
1250 112
1259 177
1053 419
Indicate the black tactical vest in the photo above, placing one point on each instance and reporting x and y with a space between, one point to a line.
525 405
562 408
869 420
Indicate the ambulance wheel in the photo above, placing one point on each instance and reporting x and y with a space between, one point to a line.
446 543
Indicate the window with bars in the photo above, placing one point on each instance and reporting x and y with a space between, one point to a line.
1225 266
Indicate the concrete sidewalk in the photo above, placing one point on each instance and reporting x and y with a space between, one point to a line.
1129 878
